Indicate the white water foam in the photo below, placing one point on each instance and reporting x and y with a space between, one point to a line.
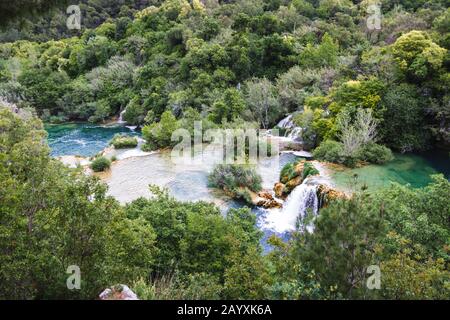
303 197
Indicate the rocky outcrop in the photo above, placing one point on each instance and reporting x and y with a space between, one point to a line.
279 190
291 184
119 292
327 195
265 199
293 175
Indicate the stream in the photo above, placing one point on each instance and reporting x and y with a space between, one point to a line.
129 178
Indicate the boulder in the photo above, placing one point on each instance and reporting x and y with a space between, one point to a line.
119 292
265 194
264 199
327 194
279 190
291 184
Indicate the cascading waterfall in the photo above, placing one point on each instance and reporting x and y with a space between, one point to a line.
292 132
286 123
120 120
301 199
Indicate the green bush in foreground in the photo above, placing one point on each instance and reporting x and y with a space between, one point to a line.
122 141
100 164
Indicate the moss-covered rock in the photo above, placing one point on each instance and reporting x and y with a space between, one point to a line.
326 194
292 175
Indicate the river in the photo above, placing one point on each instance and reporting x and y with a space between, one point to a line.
129 178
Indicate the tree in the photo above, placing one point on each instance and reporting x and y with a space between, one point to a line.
43 88
417 55
52 217
229 107
262 101
403 122
323 55
159 134
358 134
10 11
343 245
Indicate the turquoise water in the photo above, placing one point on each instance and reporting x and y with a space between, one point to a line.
129 179
412 169
82 139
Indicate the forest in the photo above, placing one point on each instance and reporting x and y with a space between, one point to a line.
360 95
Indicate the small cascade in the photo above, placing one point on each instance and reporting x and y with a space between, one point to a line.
301 199
120 120
293 132
286 123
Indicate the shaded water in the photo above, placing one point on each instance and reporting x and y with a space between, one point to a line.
81 139
412 169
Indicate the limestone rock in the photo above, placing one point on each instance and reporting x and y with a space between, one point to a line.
264 199
327 194
291 184
279 190
119 292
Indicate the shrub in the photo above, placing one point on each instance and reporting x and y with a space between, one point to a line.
331 151
371 152
375 153
100 164
235 179
159 134
123 141
288 172
309 170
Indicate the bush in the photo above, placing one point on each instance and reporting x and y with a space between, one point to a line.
289 171
159 134
309 170
375 153
331 151
122 141
100 164
235 179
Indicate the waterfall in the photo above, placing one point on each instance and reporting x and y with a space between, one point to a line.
295 133
286 123
292 132
302 198
120 120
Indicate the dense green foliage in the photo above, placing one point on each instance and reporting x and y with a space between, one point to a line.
333 151
293 170
240 61
121 141
52 217
399 229
235 180
238 64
